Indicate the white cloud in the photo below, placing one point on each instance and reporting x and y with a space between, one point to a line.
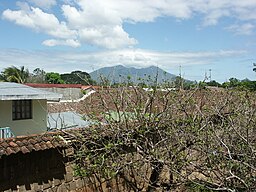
67 42
23 5
100 23
44 4
88 61
244 29
213 17
111 37
40 21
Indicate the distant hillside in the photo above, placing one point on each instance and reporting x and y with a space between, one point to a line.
119 73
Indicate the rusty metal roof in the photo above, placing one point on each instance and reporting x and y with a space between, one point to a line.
45 85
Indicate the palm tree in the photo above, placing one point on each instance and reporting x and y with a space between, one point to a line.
14 74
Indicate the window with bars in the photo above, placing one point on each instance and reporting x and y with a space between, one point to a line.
21 109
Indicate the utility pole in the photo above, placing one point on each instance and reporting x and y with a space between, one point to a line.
181 81
205 76
210 75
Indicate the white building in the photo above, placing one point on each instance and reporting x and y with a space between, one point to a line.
23 109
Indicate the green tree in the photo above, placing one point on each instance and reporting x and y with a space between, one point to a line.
15 74
213 83
77 77
234 82
54 78
247 84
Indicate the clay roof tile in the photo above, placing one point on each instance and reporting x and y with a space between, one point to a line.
43 146
12 144
19 143
55 143
24 150
9 151
45 138
4 145
16 149
30 147
25 142
2 152
37 147
38 139
32 141
49 145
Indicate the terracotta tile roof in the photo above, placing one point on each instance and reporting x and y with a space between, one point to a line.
27 144
44 85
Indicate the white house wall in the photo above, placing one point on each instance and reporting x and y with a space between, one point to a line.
36 125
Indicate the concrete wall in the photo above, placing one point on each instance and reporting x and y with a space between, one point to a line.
48 170
36 125
68 93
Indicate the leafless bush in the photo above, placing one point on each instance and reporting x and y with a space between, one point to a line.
162 140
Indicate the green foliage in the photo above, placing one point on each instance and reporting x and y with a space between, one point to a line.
54 78
202 84
14 74
245 84
22 75
213 83
233 82
77 77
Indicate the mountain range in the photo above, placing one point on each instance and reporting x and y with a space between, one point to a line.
119 74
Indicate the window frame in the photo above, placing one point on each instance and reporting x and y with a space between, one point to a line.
21 109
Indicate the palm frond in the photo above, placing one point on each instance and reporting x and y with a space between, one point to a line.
14 74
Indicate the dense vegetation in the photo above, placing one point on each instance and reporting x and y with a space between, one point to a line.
195 140
22 75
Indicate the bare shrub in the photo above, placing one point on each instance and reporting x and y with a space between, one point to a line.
167 140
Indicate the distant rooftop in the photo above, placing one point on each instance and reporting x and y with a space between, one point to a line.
15 91
85 87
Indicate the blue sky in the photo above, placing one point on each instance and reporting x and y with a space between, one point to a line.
66 35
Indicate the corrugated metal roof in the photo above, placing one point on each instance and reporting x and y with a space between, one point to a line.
15 91
66 120
44 85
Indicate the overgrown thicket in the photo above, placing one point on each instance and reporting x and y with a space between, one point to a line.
170 140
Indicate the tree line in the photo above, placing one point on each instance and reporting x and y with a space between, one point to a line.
233 83
23 75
